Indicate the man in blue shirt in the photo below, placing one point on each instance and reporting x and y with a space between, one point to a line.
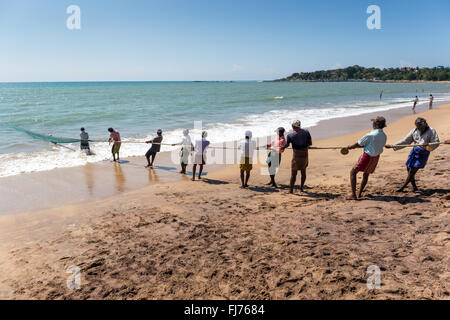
373 144
300 140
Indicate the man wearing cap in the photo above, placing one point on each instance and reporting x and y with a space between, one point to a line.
154 149
373 144
300 140
423 135
247 147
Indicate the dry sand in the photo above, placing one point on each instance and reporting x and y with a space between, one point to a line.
212 240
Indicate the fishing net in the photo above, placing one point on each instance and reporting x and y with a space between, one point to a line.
47 138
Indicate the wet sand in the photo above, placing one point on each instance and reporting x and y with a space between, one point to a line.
212 240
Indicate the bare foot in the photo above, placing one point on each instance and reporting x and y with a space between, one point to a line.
351 197
400 190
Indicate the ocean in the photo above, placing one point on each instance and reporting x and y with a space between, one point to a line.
138 109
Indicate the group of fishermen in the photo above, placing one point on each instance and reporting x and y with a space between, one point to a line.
422 136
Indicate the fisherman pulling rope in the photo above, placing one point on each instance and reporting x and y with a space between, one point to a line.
423 137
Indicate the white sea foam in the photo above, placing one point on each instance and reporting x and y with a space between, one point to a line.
261 125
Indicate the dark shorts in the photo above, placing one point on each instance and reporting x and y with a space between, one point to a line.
84 145
299 160
150 153
366 163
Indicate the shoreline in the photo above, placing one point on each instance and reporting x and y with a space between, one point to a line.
366 81
212 240
100 180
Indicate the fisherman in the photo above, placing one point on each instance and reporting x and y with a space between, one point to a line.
114 136
422 135
373 144
301 140
84 141
186 149
431 102
200 155
416 100
274 157
247 147
154 149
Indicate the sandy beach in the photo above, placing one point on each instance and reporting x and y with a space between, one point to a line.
209 239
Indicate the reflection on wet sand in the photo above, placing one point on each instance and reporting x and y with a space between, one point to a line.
120 177
88 171
152 175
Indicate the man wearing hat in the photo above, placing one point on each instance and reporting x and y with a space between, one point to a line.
154 149
300 140
423 134
373 144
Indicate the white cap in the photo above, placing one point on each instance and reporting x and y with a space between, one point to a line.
248 133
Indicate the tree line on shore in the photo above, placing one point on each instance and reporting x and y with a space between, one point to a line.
358 73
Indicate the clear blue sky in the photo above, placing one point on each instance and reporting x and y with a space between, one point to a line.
214 39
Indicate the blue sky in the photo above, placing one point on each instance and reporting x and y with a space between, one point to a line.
215 39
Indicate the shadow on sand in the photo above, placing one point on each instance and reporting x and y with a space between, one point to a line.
212 181
399 199
262 189
430 192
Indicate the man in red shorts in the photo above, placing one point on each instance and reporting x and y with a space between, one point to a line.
373 144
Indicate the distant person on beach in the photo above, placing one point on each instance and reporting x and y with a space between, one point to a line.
200 155
247 147
381 94
373 144
154 149
416 100
84 141
274 157
431 102
114 136
186 148
422 135
300 140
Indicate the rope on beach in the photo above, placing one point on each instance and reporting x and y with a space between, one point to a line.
416 145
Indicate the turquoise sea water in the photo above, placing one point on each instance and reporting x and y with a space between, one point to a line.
138 109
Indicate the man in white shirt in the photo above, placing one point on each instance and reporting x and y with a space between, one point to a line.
431 102
373 144
422 135
247 147
186 148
